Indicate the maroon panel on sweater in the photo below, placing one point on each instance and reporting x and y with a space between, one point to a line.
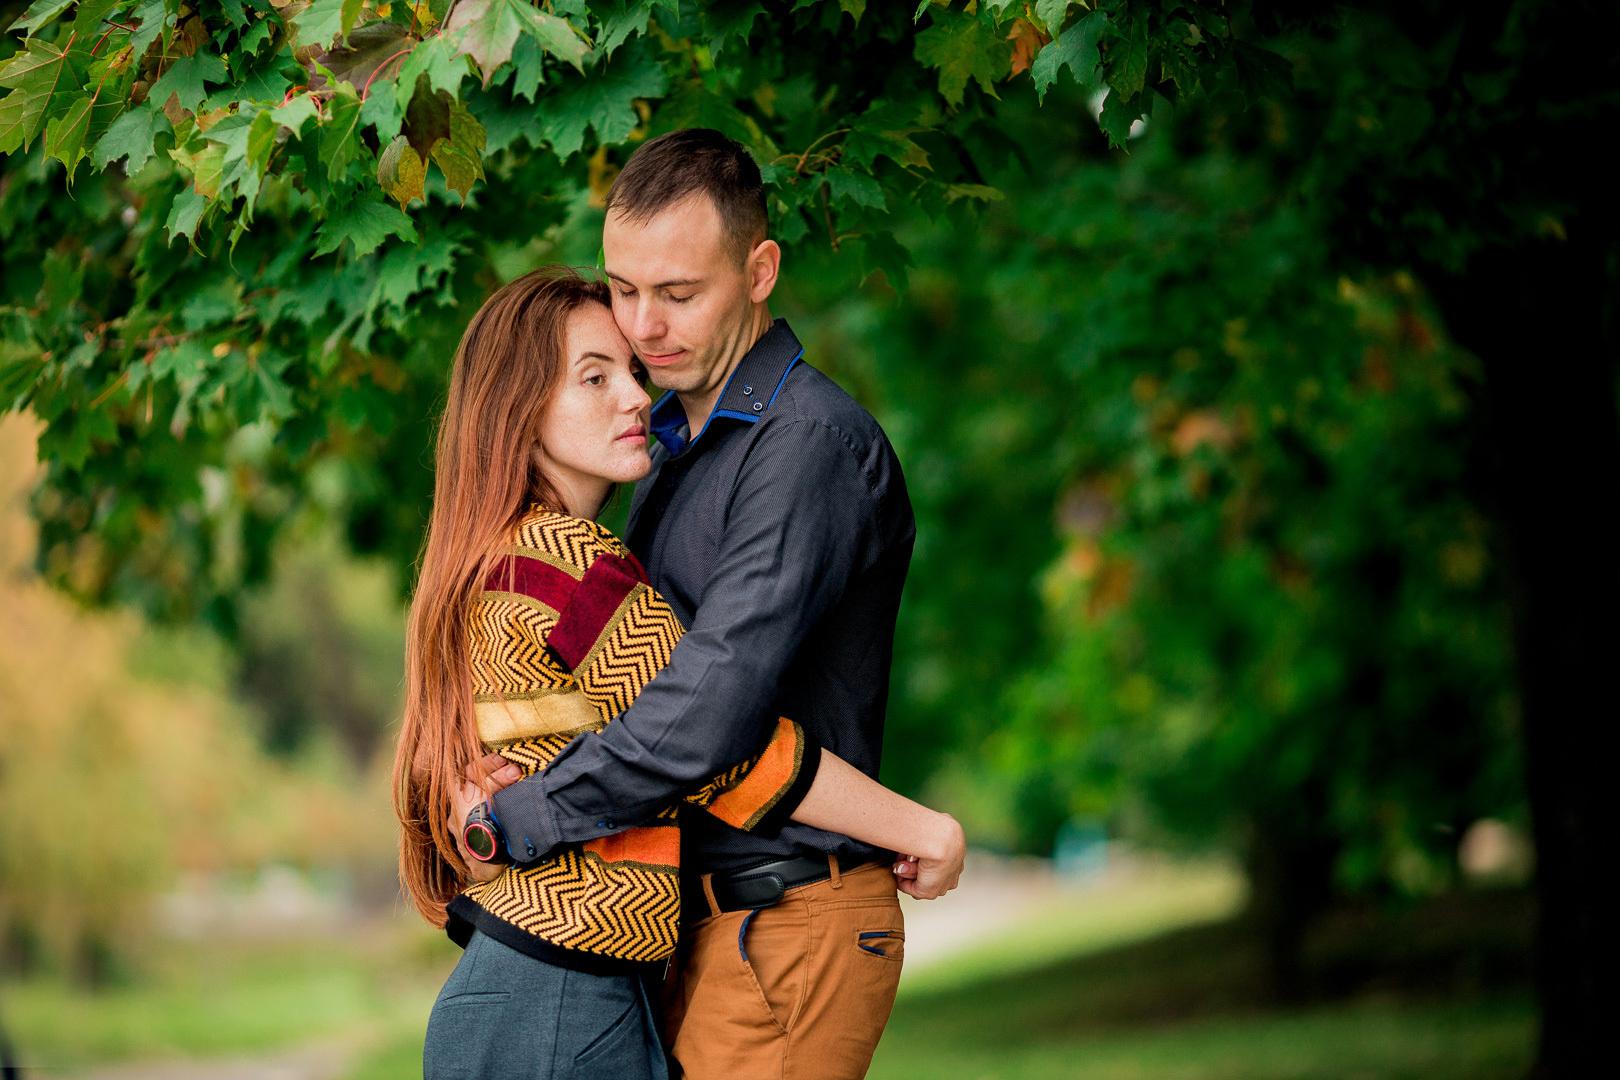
604 587
533 578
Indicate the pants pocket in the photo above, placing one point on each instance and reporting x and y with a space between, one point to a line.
888 944
620 1049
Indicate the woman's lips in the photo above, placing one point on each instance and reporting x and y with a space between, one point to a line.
636 436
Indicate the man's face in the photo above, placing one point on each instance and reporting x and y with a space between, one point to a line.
679 294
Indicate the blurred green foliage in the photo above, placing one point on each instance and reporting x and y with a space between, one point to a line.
1204 543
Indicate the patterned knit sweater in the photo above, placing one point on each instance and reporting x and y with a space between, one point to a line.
563 637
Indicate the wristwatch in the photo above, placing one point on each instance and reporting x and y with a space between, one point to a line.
483 836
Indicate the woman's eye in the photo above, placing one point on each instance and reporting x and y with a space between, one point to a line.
594 380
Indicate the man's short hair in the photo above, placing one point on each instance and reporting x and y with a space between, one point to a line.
668 169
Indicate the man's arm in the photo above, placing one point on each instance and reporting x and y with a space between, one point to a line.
797 525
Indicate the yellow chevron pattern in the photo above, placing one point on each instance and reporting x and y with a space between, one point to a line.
626 905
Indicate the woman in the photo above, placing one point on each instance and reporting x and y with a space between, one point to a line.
532 624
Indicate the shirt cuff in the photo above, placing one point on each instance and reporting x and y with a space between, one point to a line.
527 820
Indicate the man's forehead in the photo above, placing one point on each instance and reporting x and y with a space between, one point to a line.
683 242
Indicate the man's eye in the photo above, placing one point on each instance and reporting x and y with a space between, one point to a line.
679 299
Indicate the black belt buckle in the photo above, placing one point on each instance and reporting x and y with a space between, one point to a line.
758 891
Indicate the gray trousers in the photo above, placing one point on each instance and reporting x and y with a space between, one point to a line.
505 1016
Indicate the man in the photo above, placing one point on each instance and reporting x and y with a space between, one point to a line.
777 524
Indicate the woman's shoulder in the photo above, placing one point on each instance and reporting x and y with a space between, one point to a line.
575 541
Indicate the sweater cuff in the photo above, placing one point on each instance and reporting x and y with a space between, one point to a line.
771 821
527 819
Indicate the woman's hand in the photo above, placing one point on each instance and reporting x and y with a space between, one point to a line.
474 791
928 877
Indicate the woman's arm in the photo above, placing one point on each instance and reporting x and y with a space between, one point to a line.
845 800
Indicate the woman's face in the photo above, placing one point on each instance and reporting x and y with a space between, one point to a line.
594 433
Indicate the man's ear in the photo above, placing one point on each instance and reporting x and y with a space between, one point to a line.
764 263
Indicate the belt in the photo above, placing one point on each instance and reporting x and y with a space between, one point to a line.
751 887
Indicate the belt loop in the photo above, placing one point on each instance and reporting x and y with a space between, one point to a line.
832 865
708 894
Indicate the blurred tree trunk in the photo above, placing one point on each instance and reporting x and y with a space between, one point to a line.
1290 870
1540 318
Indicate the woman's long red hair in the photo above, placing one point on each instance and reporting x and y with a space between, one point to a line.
487 476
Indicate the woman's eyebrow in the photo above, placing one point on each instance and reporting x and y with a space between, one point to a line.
597 356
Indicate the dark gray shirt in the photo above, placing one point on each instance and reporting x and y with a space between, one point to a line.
781 536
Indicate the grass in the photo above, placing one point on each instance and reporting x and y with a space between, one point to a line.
199 1002
1370 1041
1106 990
1164 899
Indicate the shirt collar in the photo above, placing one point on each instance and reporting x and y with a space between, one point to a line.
747 396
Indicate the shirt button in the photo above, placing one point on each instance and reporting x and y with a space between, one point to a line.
758 405
529 847
604 824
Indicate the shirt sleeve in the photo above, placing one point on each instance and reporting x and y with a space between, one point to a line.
801 515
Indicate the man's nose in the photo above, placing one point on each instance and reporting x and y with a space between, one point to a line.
647 324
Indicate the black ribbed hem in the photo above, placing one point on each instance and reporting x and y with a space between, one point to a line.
782 812
465 916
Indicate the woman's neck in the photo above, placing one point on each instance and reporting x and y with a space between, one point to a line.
583 496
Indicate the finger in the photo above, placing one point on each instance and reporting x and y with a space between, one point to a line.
905 869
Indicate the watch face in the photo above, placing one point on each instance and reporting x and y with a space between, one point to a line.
481 842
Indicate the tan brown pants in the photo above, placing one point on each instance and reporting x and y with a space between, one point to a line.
798 991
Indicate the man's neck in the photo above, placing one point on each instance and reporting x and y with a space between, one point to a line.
700 403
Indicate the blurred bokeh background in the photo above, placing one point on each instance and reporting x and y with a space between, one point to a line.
1207 640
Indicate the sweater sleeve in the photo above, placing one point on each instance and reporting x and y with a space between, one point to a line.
760 794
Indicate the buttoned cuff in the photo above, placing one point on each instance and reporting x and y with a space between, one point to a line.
527 819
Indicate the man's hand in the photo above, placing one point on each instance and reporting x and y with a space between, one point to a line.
928 877
473 791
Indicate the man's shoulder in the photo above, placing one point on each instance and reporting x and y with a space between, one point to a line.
808 394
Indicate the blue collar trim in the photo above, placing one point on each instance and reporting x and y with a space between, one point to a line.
737 400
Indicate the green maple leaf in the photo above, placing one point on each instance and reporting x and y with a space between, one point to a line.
885 130
153 16
261 140
491 28
41 82
459 156
322 21
186 213
1076 49
296 113
40 14
340 135
628 18
437 61
208 168
366 223
1128 59
558 38
1118 114
401 173
131 136
65 135
381 110
963 48
185 79
604 102
855 187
